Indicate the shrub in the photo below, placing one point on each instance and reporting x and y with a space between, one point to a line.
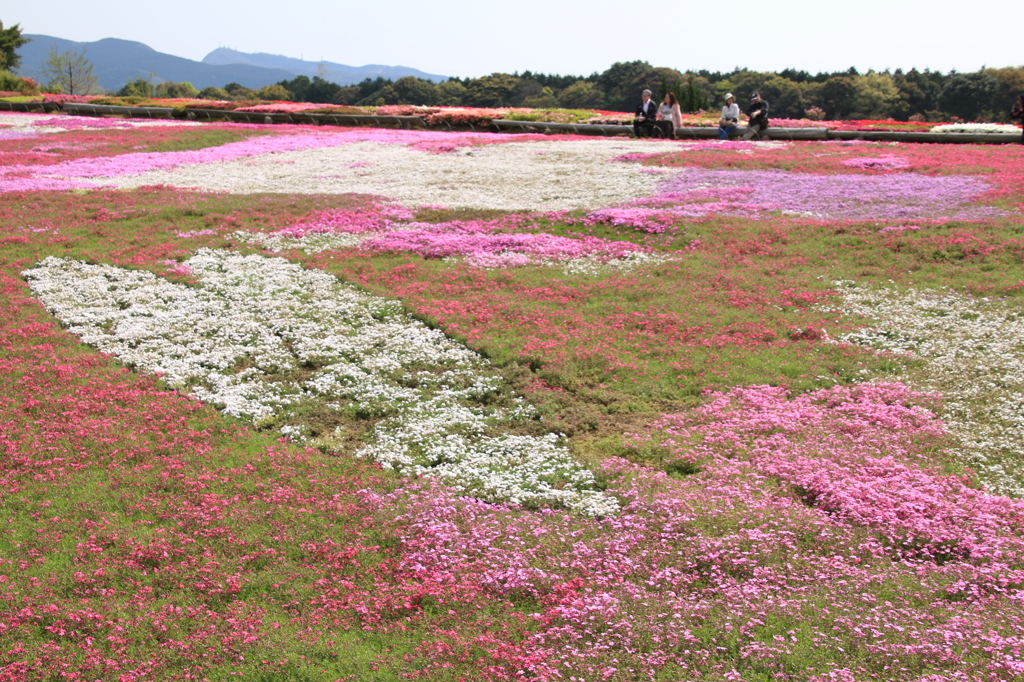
214 93
274 92
451 93
815 113
11 83
138 87
172 90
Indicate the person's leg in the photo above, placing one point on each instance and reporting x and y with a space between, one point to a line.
723 132
753 131
636 129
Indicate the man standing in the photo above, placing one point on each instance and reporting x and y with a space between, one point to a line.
646 114
757 114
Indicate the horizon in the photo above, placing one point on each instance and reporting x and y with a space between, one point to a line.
807 43
538 72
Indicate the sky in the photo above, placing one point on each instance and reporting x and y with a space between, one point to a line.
463 38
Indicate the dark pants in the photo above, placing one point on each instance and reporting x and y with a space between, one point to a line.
667 129
754 130
645 125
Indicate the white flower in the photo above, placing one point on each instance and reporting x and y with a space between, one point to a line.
974 356
260 336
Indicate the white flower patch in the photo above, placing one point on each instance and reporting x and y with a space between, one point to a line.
509 176
974 350
308 243
595 267
27 123
976 128
259 337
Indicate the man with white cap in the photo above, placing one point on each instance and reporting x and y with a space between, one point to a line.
730 117
757 117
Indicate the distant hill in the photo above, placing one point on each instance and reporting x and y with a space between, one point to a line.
336 73
116 61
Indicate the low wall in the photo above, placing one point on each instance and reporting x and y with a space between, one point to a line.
500 125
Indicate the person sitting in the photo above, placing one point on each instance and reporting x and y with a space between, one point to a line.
1018 112
757 115
670 116
727 125
646 114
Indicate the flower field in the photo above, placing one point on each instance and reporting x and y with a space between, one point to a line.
295 403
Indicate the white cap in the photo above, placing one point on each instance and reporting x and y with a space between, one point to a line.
729 95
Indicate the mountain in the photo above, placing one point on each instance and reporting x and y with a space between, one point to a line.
336 73
116 61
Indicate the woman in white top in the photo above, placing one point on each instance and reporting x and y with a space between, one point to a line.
730 117
669 111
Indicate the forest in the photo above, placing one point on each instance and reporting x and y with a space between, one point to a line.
985 95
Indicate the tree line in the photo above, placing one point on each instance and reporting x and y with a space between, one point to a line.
983 95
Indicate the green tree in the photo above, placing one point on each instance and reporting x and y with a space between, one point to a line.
746 82
582 95
239 92
10 40
723 88
369 89
785 97
1010 84
919 90
70 72
616 82
876 96
834 97
138 87
495 90
451 93
528 88
545 99
692 97
969 95
657 79
276 92
346 96
412 90
11 83
321 90
172 90
214 93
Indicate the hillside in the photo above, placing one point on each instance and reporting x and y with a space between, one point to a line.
116 61
336 73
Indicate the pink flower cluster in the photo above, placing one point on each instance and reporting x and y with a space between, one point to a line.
882 163
372 217
900 228
485 243
855 452
82 122
653 221
453 239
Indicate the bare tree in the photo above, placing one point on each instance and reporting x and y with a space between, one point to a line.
71 72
